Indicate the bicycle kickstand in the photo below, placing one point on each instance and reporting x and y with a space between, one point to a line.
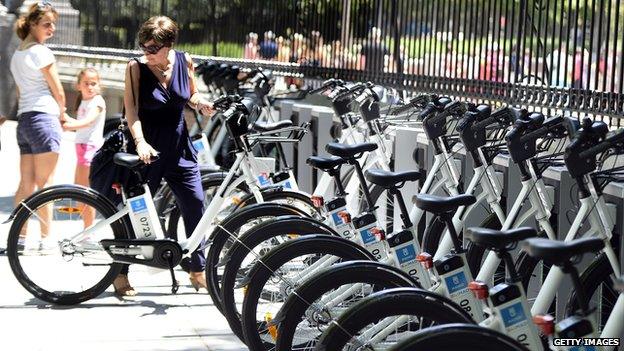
174 282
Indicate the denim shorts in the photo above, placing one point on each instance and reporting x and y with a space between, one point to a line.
38 132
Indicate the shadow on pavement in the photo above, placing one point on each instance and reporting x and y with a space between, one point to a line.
6 205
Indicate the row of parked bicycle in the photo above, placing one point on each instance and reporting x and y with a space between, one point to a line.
332 270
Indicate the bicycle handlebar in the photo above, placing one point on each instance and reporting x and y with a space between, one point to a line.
328 84
608 143
415 102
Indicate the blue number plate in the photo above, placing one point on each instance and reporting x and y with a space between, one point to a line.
138 205
513 314
456 282
406 254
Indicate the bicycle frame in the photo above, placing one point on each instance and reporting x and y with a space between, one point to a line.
243 163
601 225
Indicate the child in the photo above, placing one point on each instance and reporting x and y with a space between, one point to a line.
89 127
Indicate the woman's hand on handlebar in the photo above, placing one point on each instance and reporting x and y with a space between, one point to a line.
205 108
145 151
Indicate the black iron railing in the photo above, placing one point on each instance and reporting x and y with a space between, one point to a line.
563 54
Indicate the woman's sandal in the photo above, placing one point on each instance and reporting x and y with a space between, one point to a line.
122 286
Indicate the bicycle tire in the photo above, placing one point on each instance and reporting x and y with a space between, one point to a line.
276 192
391 303
294 308
465 337
248 241
232 224
277 257
120 228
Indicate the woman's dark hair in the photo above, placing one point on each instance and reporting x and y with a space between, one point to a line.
162 29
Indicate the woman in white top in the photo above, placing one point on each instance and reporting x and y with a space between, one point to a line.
41 108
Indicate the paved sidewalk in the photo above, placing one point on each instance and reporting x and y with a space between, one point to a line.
153 320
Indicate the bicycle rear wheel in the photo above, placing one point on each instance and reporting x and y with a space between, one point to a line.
465 337
249 248
224 236
64 269
386 317
282 270
304 316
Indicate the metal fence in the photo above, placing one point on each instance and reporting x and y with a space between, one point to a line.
564 54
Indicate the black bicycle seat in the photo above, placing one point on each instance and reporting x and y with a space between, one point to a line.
130 161
499 239
388 179
349 151
560 252
325 163
443 204
269 127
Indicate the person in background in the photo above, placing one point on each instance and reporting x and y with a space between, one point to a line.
268 47
159 85
296 52
89 127
315 54
374 52
251 47
41 108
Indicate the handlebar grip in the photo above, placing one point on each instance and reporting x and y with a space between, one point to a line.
604 145
326 85
414 102
536 119
378 91
468 118
553 122
402 109
600 127
428 110
356 87
442 100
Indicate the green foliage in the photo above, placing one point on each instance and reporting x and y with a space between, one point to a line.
226 49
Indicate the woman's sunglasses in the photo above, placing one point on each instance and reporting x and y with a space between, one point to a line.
151 49
43 5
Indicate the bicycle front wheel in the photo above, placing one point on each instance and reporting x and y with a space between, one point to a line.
465 337
51 257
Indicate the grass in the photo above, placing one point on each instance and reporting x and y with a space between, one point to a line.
224 49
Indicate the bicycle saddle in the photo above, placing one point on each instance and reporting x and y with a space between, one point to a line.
269 127
499 239
559 252
349 151
130 161
442 204
325 163
388 179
